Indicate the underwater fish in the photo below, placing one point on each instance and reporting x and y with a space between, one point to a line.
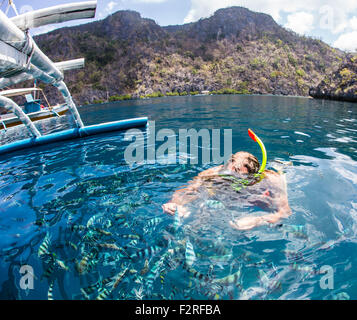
132 243
103 232
104 294
309 270
292 255
219 260
83 264
139 293
189 254
90 289
49 271
61 264
87 262
214 204
146 253
130 236
153 222
298 231
162 276
120 216
78 228
156 270
43 250
72 245
232 279
195 273
50 292
111 246
341 296
210 271
252 293
145 268
120 275
270 284
94 287
173 293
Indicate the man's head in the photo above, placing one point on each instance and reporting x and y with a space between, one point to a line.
243 163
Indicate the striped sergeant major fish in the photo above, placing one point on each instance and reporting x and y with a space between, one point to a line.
50 292
298 231
152 223
94 287
43 250
189 254
145 269
119 277
130 236
156 269
267 283
146 253
104 294
196 274
49 271
232 279
87 262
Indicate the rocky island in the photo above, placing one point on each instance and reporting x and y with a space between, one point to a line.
233 51
339 85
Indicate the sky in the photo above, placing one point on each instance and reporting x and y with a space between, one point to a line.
333 21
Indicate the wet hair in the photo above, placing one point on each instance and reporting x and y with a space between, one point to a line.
244 159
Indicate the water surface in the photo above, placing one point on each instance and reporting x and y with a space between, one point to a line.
81 202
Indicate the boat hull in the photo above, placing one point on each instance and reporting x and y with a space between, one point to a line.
12 121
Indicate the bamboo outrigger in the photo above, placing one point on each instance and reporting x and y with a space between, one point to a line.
21 60
35 109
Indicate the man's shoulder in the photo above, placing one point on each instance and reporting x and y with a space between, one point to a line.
211 171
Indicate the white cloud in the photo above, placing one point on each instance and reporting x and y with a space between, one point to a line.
347 41
43 29
148 1
337 11
204 8
300 22
353 23
110 6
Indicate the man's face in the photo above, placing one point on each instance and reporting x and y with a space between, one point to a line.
242 169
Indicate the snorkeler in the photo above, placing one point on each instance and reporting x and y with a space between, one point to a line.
243 173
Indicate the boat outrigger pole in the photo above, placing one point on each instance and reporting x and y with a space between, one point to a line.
21 60
38 65
13 107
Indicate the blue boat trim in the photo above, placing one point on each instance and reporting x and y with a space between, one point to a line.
74 133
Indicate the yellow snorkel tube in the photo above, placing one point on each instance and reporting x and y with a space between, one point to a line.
261 144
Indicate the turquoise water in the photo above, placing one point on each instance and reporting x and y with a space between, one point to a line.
86 222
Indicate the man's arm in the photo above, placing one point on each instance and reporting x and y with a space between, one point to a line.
188 194
280 200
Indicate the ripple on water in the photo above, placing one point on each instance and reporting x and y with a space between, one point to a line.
100 224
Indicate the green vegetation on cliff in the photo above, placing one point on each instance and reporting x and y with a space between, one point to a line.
234 51
339 85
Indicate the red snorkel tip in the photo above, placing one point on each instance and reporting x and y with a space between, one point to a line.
252 135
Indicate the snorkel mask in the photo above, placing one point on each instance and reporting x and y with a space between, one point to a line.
238 183
264 152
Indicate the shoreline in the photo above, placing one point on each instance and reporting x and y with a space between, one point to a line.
98 102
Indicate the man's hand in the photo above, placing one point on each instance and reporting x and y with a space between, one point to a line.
171 207
247 223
